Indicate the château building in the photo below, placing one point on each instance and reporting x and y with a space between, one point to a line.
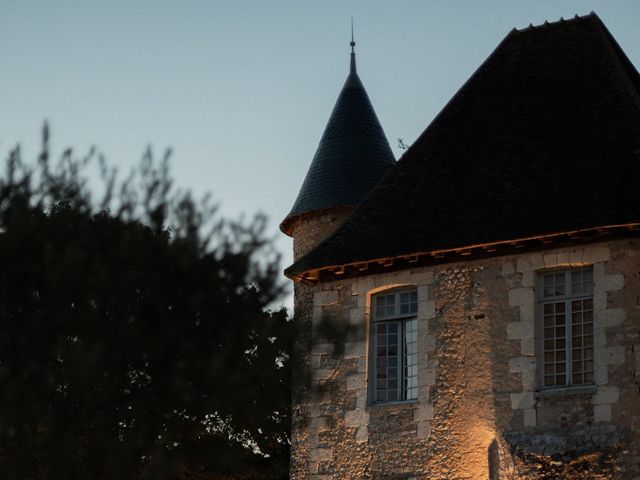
472 311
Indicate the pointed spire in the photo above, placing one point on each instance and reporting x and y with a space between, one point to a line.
353 155
353 53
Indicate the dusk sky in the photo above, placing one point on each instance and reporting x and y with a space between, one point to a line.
241 91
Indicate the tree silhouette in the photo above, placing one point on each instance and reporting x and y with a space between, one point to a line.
136 339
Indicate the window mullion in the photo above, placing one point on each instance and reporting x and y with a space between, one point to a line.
374 327
569 344
401 360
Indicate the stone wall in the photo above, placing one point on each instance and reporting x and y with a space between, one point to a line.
480 413
307 232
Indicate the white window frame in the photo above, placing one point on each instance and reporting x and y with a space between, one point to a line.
388 321
566 316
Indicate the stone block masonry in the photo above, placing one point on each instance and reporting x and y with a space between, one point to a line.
481 412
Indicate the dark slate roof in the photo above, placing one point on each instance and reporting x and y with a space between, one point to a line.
543 138
352 157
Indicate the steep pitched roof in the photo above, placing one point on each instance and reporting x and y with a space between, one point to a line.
352 157
543 138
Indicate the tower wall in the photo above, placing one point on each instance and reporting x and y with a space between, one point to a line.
307 232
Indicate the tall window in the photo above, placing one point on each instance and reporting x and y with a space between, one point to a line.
566 299
395 340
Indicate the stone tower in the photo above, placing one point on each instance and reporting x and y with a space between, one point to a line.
352 157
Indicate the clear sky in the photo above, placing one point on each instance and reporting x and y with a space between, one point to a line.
242 90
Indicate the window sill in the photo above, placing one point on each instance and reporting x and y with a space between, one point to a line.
393 405
565 391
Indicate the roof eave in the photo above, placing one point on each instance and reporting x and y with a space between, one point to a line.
466 253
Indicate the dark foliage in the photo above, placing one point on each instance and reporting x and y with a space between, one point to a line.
136 339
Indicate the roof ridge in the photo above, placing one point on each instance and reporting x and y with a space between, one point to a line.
547 23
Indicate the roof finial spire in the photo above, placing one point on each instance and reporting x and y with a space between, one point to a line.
353 53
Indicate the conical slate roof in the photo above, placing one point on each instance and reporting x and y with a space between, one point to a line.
352 157
544 138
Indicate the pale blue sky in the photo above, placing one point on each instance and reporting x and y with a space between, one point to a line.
242 90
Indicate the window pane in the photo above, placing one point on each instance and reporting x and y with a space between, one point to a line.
587 288
386 360
411 356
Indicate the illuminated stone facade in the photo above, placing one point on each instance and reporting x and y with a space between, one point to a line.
481 412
